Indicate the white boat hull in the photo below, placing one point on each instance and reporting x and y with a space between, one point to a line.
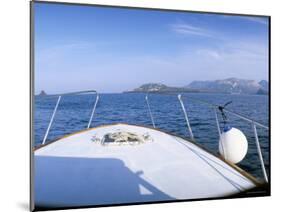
77 171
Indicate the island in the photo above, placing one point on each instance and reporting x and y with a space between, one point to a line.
226 86
42 93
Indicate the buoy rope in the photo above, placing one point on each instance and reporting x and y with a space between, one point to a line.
223 114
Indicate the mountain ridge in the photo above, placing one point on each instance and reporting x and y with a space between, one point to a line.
229 85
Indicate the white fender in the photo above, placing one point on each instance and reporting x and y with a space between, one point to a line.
233 145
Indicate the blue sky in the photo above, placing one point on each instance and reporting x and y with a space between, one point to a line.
112 50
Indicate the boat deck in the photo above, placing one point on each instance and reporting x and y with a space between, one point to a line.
77 170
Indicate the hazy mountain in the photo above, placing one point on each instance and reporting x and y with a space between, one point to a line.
231 85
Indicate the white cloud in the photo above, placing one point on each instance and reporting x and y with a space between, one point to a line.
188 29
209 53
235 51
83 65
256 19
247 59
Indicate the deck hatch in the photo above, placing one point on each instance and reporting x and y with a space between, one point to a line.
123 138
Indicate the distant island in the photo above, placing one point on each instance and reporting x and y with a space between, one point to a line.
228 86
42 93
160 88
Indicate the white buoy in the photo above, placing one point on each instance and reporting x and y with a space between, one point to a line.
233 145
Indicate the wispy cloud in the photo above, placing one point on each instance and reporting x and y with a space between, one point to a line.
54 55
257 20
213 54
188 29
235 51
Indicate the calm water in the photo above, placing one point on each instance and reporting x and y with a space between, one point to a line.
74 112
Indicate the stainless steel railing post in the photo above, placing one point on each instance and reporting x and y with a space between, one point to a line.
52 118
186 117
217 121
152 120
219 131
93 111
259 151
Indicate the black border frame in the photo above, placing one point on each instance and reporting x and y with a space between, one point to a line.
32 206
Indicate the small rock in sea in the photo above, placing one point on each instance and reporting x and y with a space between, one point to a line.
42 93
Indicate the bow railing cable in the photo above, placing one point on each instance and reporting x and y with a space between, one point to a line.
228 111
57 104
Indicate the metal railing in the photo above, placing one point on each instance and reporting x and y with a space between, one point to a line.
215 108
251 121
57 104
148 106
186 117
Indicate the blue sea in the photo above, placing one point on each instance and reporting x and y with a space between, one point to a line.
74 112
